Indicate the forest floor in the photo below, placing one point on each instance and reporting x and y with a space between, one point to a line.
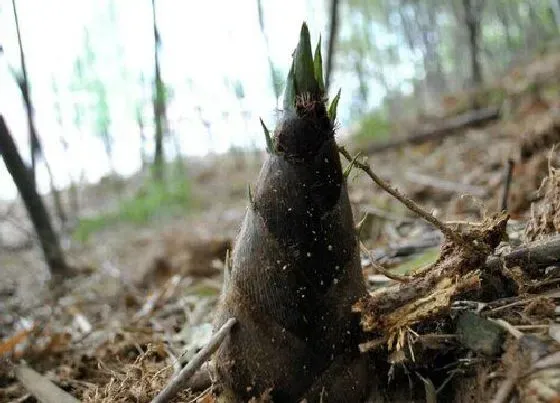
142 300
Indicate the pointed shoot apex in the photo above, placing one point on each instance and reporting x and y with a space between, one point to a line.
303 64
318 66
290 91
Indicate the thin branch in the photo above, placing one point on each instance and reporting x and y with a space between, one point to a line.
200 358
550 361
507 184
382 270
42 388
411 205
23 84
507 326
505 390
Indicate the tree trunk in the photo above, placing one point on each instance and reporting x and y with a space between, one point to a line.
23 84
332 39
34 143
33 202
140 122
472 13
363 90
74 199
159 104
431 39
533 30
555 8
504 19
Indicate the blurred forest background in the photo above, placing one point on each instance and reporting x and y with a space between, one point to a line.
102 90
92 79
129 130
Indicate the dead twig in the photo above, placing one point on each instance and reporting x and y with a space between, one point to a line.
42 388
510 328
448 127
21 399
537 253
507 184
550 361
200 358
505 390
382 270
411 205
511 302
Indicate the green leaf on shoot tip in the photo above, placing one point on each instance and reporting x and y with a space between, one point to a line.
304 71
269 142
318 66
290 91
334 106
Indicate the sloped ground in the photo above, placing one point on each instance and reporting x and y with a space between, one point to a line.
142 302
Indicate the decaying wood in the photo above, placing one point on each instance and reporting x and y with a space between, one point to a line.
458 270
448 128
180 381
531 255
542 136
42 388
389 311
544 219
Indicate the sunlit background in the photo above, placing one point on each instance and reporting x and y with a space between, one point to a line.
214 63
90 66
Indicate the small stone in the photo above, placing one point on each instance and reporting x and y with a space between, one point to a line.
479 334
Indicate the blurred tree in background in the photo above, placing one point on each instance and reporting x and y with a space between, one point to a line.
429 48
392 57
159 102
